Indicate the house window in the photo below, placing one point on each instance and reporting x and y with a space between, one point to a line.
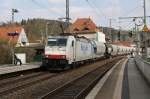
23 39
76 29
85 28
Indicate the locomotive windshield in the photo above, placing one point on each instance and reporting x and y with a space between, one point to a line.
57 42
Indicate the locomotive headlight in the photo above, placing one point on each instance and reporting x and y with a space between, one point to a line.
62 49
64 57
46 56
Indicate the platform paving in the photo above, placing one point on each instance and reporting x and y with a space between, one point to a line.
5 69
106 86
136 86
125 82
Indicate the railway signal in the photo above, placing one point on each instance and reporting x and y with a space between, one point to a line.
13 12
13 34
145 29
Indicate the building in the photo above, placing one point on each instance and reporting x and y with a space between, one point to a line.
14 34
82 25
116 35
87 28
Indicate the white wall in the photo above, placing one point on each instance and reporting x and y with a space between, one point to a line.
22 38
21 56
89 36
100 37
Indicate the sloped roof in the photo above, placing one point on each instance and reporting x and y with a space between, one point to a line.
10 29
82 25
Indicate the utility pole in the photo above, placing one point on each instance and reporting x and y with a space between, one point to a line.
119 33
144 12
145 25
110 34
67 17
46 31
67 13
110 26
139 40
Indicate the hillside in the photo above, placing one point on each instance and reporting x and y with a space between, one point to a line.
36 28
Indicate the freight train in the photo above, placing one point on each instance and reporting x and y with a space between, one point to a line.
67 51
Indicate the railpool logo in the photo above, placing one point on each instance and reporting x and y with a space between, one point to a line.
84 47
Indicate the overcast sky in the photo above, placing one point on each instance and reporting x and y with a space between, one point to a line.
99 10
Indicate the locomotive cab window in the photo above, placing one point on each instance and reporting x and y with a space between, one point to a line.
52 42
57 42
72 43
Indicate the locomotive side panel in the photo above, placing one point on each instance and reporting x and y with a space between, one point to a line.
84 50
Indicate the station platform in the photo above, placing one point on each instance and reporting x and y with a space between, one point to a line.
123 81
9 68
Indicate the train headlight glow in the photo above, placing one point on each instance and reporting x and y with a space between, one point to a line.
46 56
64 57
62 49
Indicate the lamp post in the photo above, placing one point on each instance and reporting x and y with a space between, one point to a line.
67 13
146 32
46 33
13 13
110 26
137 23
13 34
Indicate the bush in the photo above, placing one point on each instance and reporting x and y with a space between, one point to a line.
6 56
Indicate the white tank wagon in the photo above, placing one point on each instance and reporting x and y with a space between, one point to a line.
120 50
124 50
100 49
129 50
115 50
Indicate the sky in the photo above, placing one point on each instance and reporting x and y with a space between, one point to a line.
100 11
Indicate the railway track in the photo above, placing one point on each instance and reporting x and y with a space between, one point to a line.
35 85
13 84
16 74
79 87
